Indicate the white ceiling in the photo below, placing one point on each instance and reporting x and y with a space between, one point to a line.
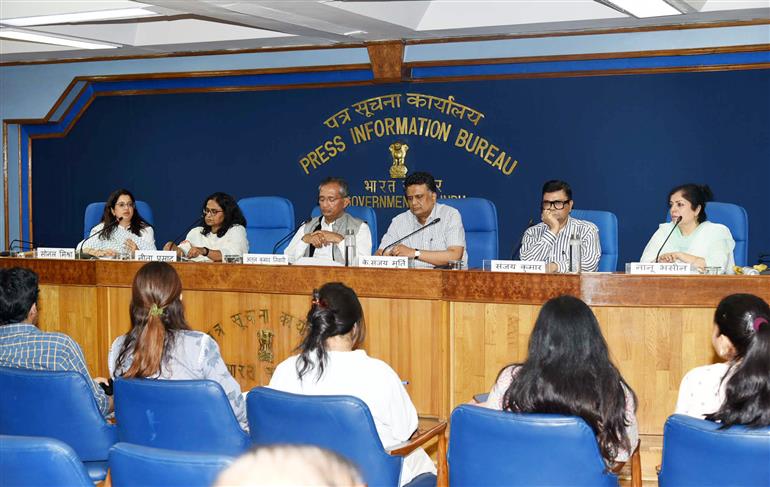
204 25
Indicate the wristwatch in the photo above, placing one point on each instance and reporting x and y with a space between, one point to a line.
417 254
207 251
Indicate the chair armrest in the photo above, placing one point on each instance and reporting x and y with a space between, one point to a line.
422 437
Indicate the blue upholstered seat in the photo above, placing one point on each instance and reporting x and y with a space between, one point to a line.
736 219
58 405
342 424
480 222
94 212
362 213
186 415
134 465
607 223
31 461
497 448
696 453
268 219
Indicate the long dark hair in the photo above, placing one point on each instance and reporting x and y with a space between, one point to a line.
697 195
232 213
335 311
156 311
137 222
745 320
568 371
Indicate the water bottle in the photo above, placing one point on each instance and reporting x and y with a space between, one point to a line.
350 247
574 254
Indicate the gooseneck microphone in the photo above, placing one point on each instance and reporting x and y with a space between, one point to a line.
13 246
413 233
289 235
187 229
517 249
657 256
86 255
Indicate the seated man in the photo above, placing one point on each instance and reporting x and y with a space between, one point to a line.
437 244
549 241
24 346
324 236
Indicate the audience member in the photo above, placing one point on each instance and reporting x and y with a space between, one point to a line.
161 345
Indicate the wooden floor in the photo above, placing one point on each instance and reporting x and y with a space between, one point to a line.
651 451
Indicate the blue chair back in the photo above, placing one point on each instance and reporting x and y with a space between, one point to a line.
27 461
58 405
268 220
607 223
342 424
362 213
94 213
186 415
697 453
480 222
497 448
736 219
132 465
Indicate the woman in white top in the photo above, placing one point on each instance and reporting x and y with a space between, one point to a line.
736 391
223 232
126 229
330 363
161 345
695 240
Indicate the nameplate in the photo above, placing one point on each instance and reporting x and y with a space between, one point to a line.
658 268
55 253
383 262
155 255
265 259
528 266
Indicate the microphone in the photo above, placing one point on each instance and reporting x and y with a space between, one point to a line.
13 246
404 238
86 255
290 234
187 229
517 249
679 219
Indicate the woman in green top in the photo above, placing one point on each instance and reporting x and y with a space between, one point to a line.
695 240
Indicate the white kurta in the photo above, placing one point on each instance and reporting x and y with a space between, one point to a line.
117 241
702 390
374 382
234 242
297 247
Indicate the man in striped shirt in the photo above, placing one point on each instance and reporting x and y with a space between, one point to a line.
549 241
24 346
439 243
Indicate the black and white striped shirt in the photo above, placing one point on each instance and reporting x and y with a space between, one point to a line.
539 243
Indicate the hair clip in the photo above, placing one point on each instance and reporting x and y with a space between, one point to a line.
156 310
317 301
759 321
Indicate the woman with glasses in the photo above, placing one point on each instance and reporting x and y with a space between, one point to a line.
124 228
223 232
331 362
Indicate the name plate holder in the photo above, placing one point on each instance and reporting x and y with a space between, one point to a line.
155 255
660 268
54 253
383 262
525 266
265 259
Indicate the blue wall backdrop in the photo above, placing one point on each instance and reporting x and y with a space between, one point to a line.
621 141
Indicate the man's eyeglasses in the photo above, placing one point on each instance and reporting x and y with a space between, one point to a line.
211 211
331 201
557 204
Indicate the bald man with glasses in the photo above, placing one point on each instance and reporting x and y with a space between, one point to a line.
548 241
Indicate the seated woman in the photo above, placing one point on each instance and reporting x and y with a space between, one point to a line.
223 232
695 240
568 371
736 391
127 230
330 363
161 345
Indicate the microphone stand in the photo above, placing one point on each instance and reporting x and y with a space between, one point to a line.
85 255
657 256
290 234
415 232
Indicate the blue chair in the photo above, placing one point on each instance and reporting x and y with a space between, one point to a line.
480 222
185 415
736 219
607 223
696 453
132 465
94 213
57 405
342 424
363 213
28 461
268 220
498 448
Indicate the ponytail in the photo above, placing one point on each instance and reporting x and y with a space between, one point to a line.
148 349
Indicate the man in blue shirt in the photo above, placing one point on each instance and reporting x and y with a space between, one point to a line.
24 346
